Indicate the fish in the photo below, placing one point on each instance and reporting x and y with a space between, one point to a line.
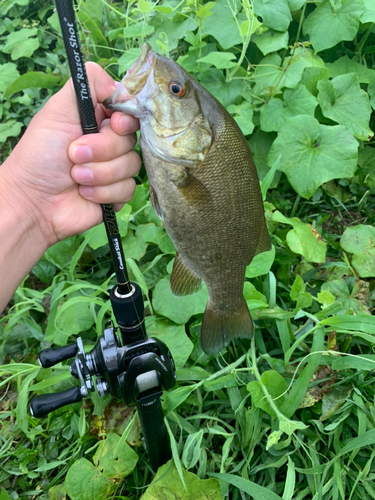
203 186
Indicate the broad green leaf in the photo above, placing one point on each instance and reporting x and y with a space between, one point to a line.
275 14
86 482
174 32
226 92
178 309
167 485
295 4
312 154
11 128
135 246
243 114
345 65
6 5
21 44
260 144
340 290
34 79
368 15
298 293
155 234
220 60
127 60
325 298
72 318
311 76
336 397
174 336
97 236
4 495
261 264
44 270
253 489
360 241
113 461
138 30
327 26
8 74
296 102
275 385
303 239
271 41
222 25
343 101
371 91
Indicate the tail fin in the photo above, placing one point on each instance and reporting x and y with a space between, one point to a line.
220 327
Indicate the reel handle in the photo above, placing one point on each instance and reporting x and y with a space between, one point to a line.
45 403
50 357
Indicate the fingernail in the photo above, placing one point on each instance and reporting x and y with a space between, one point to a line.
86 191
83 175
81 154
126 123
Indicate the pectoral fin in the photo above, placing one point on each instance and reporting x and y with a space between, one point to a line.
184 281
155 202
192 189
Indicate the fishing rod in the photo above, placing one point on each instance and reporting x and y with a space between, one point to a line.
129 366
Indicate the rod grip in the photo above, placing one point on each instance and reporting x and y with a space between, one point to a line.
50 357
43 404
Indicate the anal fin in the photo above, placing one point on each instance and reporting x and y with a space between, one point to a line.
184 281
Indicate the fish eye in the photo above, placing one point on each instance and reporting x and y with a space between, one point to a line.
176 88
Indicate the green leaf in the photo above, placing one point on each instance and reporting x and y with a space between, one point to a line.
20 44
355 362
253 489
72 318
226 92
97 236
178 309
8 74
175 398
44 270
345 65
371 91
222 25
368 15
311 77
128 59
271 41
34 79
155 234
290 480
343 101
260 144
98 41
325 298
167 485
22 401
295 4
360 241
296 102
11 128
220 60
275 385
174 32
4 495
192 449
113 461
138 30
327 26
275 14
303 239
135 246
243 114
174 336
261 264
297 293
85 482
312 154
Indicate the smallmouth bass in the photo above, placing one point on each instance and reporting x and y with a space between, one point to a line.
203 185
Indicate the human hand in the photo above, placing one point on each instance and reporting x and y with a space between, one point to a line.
58 177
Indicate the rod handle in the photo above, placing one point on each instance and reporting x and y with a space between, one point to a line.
45 403
50 357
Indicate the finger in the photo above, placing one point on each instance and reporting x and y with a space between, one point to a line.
121 192
100 147
106 173
124 124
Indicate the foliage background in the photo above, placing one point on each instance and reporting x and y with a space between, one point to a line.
290 415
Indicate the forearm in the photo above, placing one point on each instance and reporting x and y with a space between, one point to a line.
21 241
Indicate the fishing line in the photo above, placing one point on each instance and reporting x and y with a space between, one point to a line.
89 126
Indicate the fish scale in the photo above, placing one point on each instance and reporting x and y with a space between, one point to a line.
204 186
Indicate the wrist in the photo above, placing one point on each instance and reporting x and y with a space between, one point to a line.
20 206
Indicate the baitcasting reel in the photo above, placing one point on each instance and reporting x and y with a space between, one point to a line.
135 370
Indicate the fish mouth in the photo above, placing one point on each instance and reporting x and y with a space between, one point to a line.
135 79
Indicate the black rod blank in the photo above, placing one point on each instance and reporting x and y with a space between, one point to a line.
89 126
